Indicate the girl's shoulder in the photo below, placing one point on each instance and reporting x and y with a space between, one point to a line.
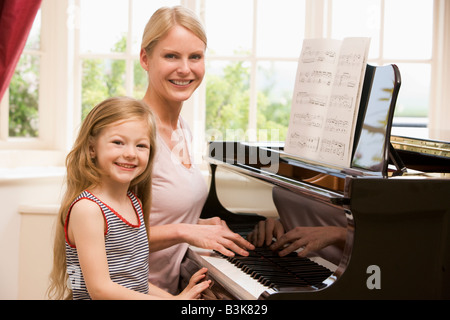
85 199
85 217
85 206
86 203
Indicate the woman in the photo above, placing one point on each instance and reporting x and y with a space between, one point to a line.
173 54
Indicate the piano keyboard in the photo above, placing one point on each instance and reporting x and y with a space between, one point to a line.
263 270
267 267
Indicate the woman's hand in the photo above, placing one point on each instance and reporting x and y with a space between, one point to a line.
265 231
214 234
310 239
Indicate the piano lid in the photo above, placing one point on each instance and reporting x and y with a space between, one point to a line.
423 154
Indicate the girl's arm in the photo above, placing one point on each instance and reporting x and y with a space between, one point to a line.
86 231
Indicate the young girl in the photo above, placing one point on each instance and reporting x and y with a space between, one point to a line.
101 244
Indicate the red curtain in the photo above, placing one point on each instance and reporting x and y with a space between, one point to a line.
16 19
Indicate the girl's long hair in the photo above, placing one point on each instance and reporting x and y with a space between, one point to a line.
82 173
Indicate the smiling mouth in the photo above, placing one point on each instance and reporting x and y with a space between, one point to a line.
126 166
181 82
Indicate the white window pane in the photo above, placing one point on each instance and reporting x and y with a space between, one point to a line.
142 11
227 99
34 38
104 23
281 28
414 94
24 98
275 86
140 80
357 18
408 29
102 78
229 26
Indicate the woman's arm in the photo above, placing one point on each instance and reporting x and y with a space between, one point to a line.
208 236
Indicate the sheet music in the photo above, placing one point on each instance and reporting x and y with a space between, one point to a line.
326 99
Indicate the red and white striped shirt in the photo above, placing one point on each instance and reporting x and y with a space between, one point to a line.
126 250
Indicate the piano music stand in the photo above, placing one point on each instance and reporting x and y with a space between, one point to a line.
372 148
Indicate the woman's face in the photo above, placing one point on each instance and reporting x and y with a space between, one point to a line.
176 65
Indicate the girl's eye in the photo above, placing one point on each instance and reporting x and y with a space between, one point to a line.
143 146
117 142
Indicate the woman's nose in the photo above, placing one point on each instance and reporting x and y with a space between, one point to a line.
183 67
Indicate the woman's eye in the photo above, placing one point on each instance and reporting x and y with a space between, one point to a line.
170 56
196 57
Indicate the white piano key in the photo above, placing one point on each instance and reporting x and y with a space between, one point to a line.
233 279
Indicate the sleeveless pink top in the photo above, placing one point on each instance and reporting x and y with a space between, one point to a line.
178 196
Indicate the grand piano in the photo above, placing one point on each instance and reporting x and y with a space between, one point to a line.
392 202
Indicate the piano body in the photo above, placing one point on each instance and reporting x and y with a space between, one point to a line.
393 202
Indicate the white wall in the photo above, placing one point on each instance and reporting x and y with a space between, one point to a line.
22 187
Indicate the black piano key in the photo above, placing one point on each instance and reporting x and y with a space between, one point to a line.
267 267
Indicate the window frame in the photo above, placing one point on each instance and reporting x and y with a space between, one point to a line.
48 149
318 24
60 84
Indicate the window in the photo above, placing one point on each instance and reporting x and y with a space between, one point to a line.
109 49
398 38
37 104
252 63
253 48
36 126
251 66
20 106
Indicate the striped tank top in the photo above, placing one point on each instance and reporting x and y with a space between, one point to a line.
126 250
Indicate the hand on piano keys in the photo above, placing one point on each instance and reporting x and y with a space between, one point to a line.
214 234
263 270
310 239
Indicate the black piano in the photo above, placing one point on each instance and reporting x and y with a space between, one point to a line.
393 202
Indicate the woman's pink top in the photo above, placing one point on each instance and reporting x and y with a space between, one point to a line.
178 196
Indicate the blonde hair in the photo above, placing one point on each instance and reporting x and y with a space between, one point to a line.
82 173
164 19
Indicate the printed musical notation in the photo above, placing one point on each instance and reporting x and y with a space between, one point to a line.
308 120
346 79
325 100
334 148
303 142
311 98
310 55
316 77
337 125
341 101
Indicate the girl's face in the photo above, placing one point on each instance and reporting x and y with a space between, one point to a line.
176 65
122 150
